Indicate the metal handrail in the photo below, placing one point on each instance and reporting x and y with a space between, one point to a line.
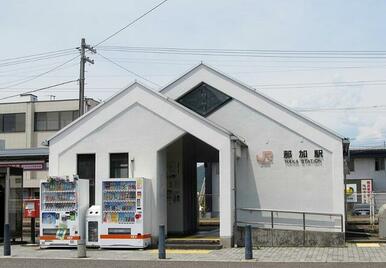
303 213
292 211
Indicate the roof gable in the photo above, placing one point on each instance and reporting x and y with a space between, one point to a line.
246 95
136 93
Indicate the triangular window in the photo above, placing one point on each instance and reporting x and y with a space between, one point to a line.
204 99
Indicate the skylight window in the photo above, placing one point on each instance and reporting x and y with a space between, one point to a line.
204 99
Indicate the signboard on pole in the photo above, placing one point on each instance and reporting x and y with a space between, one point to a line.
366 190
26 166
351 193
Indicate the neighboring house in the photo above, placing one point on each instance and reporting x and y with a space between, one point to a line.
264 155
368 163
24 125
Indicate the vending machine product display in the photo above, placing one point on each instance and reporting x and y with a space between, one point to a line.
126 221
63 205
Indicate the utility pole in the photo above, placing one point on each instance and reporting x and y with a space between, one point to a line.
7 230
83 60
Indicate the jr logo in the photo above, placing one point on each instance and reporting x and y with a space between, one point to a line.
265 158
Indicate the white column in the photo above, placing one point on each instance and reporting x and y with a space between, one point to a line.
159 215
226 195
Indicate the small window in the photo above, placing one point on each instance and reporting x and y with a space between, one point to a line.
52 121
12 122
351 165
379 164
204 99
119 165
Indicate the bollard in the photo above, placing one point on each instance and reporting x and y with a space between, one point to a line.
33 233
161 242
7 240
82 249
248 242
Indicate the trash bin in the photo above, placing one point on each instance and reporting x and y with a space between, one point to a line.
93 223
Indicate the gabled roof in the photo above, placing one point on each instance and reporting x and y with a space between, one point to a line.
253 92
156 95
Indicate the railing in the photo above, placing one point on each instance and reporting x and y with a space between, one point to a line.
290 220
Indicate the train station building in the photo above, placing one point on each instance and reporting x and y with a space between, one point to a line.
264 164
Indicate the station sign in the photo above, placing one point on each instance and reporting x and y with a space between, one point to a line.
26 166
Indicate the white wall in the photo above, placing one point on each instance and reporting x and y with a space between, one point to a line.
279 186
136 131
143 136
364 168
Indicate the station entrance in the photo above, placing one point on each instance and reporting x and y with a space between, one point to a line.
192 189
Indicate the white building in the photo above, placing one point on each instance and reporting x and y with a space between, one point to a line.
368 164
24 124
265 155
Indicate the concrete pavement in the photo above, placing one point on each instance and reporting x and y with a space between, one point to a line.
353 255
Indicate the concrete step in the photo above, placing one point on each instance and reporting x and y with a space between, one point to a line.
193 246
193 243
196 241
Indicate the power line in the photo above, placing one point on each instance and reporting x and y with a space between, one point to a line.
23 61
339 108
127 70
252 62
131 23
245 53
28 68
39 54
41 74
267 51
39 89
321 83
28 76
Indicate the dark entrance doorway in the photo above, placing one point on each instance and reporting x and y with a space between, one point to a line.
86 170
189 186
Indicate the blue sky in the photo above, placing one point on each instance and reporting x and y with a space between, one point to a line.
29 27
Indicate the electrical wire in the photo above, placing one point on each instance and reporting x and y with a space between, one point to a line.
185 61
131 23
48 77
340 108
23 61
246 53
41 74
39 54
39 89
320 83
264 51
127 70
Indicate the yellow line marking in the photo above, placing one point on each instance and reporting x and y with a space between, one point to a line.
194 238
367 245
183 251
